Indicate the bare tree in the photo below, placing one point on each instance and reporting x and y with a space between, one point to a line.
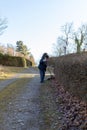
69 36
3 25
10 49
64 39
57 50
67 30
80 37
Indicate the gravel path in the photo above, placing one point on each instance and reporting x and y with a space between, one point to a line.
23 111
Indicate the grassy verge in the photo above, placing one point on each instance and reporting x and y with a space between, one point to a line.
49 113
7 72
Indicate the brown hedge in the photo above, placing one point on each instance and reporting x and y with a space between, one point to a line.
71 72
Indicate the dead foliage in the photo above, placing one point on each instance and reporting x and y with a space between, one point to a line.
73 110
61 110
71 72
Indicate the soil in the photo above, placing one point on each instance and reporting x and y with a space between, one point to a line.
22 110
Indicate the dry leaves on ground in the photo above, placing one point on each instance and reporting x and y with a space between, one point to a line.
74 110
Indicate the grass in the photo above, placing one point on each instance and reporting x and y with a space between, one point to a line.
7 72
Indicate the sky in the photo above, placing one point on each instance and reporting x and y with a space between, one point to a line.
37 22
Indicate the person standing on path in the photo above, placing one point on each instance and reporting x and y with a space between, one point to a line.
42 66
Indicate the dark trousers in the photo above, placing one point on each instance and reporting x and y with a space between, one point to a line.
42 75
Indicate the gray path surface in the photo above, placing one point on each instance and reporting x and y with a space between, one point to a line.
23 113
29 71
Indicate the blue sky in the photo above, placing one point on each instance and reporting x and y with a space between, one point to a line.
37 22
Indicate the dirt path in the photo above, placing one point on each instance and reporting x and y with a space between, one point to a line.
22 112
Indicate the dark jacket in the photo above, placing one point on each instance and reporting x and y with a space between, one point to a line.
42 65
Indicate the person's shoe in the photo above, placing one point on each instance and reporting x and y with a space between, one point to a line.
41 81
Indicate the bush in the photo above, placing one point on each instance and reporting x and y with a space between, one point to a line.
71 71
7 60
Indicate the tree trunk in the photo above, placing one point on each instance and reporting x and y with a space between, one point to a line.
78 48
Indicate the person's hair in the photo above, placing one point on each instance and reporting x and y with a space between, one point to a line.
45 55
